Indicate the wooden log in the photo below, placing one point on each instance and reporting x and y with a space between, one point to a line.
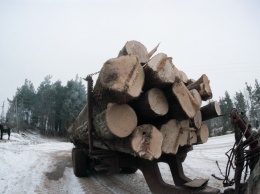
116 121
185 123
120 80
159 72
203 87
146 142
190 81
151 104
181 75
171 136
78 130
196 97
210 111
202 134
188 136
196 121
182 104
138 49
193 137
184 136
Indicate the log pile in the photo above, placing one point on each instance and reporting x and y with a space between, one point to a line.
145 106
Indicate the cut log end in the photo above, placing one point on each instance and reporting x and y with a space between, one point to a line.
116 121
147 142
203 134
210 111
120 80
159 72
171 136
196 121
136 48
203 87
182 105
158 102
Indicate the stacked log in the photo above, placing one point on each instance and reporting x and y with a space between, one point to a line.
145 106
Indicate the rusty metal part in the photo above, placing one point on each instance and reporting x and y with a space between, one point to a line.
156 184
90 112
241 157
114 161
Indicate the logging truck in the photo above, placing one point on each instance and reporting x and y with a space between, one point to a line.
103 152
143 110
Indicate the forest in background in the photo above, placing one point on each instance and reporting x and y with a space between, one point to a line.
247 102
52 107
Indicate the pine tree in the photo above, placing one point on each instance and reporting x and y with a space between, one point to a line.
256 103
44 103
75 100
240 102
226 105
251 108
21 107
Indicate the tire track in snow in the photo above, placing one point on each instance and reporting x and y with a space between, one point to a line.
114 183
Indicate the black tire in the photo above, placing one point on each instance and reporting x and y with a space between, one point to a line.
128 170
80 162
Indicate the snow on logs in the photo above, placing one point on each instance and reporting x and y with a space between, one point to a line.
145 106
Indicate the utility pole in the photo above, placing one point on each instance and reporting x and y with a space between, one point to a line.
2 114
16 116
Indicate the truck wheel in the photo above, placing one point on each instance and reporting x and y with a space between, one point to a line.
128 170
80 162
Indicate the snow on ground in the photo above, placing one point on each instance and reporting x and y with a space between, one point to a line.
26 161
30 163
201 162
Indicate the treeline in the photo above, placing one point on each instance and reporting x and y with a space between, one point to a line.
51 108
247 102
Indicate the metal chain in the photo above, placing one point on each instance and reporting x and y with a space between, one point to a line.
90 75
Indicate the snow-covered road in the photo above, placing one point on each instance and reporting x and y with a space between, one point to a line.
33 164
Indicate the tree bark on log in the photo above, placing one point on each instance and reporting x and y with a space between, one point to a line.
78 130
190 81
138 49
116 121
151 104
144 142
210 111
203 87
159 72
182 104
171 136
202 134
120 80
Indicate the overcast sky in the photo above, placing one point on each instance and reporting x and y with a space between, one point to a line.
64 38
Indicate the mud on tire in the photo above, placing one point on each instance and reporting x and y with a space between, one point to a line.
80 162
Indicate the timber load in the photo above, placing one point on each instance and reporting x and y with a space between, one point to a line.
143 105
